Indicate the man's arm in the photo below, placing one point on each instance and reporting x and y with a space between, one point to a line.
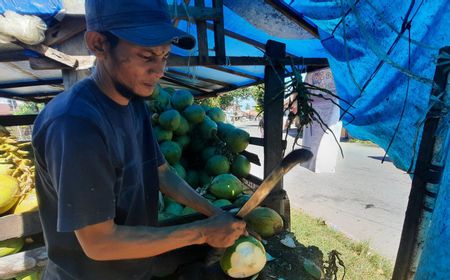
175 187
108 241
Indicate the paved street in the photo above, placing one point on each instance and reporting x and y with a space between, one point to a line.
364 199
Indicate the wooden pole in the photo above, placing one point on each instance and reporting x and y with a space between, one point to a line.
273 119
74 46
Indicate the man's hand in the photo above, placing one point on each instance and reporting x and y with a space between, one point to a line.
223 230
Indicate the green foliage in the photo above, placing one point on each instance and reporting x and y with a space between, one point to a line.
360 261
227 99
259 97
27 108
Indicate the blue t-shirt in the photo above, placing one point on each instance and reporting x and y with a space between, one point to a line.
95 160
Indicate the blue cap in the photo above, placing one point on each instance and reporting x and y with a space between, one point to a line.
141 22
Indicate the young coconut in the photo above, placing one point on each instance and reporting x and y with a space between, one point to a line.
265 221
245 258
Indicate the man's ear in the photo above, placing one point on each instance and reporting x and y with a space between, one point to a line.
97 44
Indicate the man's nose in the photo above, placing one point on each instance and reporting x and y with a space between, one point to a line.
158 69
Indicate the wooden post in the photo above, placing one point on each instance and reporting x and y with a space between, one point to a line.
219 35
273 119
202 38
425 188
74 46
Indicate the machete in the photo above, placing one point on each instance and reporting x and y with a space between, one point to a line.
293 158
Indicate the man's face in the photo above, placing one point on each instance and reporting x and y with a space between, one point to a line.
137 69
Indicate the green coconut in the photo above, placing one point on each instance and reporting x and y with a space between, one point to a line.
265 221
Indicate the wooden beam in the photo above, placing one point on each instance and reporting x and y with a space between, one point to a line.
235 72
25 224
13 56
234 87
253 158
27 96
52 54
40 63
202 37
246 40
15 120
195 13
17 84
273 110
177 60
74 46
219 35
257 141
87 61
239 37
174 81
211 81
64 30
292 15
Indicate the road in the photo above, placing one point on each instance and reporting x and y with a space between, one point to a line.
364 199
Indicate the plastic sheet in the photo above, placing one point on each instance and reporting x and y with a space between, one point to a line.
45 9
370 57
25 28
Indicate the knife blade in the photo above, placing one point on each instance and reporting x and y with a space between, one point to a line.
293 158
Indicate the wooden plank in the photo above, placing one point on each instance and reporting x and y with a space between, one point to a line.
211 81
257 141
74 46
87 61
40 82
244 39
175 60
255 180
227 89
52 54
36 96
194 13
219 34
15 120
235 72
25 224
273 108
24 262
253 158
175 81
40 63
202 38
64 30
289 13
13 56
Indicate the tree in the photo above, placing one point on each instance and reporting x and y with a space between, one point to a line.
225 100
28 108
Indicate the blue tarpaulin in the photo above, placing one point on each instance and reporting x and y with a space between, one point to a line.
383 59
45 9
359 35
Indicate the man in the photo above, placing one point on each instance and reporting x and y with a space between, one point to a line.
98 164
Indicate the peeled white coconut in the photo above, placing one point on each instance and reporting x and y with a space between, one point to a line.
245 258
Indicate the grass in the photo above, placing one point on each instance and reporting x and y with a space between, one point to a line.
360 261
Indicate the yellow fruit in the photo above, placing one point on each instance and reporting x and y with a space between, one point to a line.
10 246
28 204
9 189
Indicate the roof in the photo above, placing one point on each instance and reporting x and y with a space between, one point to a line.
243 39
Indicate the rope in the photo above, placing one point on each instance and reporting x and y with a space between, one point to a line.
404 103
